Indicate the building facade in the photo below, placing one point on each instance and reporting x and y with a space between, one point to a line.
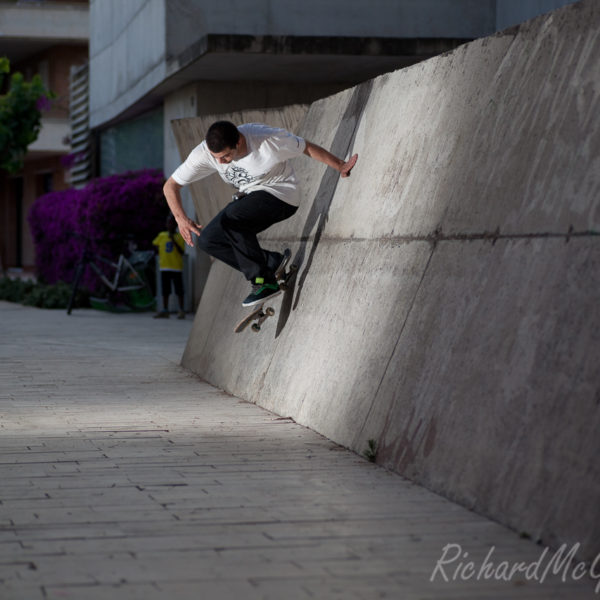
45 38
153 61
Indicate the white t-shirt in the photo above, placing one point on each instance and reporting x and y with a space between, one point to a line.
265 167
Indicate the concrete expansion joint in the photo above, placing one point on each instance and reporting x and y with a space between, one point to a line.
494 236
439 236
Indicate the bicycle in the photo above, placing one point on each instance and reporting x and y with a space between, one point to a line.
127 282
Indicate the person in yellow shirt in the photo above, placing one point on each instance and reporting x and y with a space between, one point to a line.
170 260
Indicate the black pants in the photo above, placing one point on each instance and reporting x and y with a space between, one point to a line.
171 277
231 235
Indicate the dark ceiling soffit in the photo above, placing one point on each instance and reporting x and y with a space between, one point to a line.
314 45
420 48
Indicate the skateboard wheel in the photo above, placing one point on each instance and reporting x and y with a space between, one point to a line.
270 311
255 327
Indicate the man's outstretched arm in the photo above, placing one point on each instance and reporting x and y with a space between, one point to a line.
324 156
172 192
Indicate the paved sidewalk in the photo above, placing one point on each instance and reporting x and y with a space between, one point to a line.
124 477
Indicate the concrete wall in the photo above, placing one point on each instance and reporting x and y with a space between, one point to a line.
447 300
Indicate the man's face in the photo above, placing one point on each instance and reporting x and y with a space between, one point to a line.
226 156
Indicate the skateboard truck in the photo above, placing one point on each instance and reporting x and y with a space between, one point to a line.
263 315
259 315
284 283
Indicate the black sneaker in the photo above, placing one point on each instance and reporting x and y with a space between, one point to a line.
280 272
260 292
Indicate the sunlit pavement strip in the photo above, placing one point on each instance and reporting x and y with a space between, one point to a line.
123 476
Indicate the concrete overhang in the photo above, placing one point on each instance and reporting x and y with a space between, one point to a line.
27 29
277 59
299 59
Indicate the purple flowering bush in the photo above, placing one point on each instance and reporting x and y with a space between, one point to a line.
109 212
52 219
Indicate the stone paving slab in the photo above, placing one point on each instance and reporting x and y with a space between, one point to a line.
123 476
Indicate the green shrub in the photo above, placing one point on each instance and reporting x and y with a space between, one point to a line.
14 290
40 295
48 296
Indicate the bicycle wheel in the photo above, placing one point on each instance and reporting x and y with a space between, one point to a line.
134 286
142 299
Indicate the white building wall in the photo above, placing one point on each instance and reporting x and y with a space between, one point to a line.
127 54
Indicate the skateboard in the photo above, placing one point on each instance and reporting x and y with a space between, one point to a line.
260 314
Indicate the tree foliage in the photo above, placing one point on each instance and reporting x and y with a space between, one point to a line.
20 116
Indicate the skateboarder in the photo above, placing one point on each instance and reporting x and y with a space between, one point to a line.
254 158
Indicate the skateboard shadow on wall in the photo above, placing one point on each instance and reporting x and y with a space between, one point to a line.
319 212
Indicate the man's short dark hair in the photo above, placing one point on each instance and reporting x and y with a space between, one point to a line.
221 136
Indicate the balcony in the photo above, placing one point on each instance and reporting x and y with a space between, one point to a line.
28 28
53 138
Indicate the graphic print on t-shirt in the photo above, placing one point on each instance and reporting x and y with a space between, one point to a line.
238 176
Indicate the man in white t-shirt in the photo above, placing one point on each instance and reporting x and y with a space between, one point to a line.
254 158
